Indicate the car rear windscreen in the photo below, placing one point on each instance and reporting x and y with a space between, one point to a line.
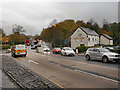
19 47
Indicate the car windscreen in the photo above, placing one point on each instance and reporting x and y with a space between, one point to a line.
45 46
104 50
68 48
57 48
20 47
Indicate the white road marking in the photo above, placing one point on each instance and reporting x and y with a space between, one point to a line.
5 54
33 61
43 55
97 76
51 59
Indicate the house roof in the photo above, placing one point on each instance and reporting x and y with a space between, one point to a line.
108 37
89 31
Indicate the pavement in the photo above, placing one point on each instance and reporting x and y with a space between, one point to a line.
80 54
5 81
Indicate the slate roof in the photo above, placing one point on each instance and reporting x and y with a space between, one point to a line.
108 37
89 31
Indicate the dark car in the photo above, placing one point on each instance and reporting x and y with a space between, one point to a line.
56 50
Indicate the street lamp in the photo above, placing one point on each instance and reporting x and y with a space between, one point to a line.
54 33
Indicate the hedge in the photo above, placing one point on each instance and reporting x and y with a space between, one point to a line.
5 47
81 49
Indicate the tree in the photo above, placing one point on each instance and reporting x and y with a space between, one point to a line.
17 38
17 29
96 27
2 34
54 21
105 25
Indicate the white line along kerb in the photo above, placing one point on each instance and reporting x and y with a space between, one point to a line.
33 61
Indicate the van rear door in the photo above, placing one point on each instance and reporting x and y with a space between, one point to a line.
20 49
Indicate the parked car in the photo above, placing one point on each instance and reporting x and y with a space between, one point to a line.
33 46
18 50
110 48
102 54
8 50
46 49
67 51
56 50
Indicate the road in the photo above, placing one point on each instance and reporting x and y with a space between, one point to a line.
71 72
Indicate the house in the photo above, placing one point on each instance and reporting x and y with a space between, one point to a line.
105 40
84 36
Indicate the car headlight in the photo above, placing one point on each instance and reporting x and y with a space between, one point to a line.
112 55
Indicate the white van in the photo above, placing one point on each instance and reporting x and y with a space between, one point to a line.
19 50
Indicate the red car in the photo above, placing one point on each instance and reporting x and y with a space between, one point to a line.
56 50
28 42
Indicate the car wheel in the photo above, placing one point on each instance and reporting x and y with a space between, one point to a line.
88 57
73 55
105 59
65 54
61 54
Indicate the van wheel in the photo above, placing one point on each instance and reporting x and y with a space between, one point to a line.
88 57
15 56
105 59
24 55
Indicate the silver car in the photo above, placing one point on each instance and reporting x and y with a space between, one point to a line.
101 54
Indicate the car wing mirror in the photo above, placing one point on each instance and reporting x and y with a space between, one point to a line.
98 51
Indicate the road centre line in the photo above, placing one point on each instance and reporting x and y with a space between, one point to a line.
33 61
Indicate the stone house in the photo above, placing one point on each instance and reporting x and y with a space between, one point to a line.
84 36
105 40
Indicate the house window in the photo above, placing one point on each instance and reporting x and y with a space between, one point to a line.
92 39
95 39
88 39
81 44
81 40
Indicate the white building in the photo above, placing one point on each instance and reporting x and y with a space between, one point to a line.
84 36
106 40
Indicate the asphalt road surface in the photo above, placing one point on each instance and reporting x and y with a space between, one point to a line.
71 72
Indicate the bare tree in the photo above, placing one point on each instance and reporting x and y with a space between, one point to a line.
17 29
91 21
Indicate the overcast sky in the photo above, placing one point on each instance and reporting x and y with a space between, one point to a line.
34 16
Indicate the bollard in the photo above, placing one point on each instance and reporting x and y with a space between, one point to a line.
76 50
37 50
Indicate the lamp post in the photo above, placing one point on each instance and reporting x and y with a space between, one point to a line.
54 34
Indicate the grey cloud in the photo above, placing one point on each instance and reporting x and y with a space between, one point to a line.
36 16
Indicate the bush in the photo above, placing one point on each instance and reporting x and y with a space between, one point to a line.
81 49
5 47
